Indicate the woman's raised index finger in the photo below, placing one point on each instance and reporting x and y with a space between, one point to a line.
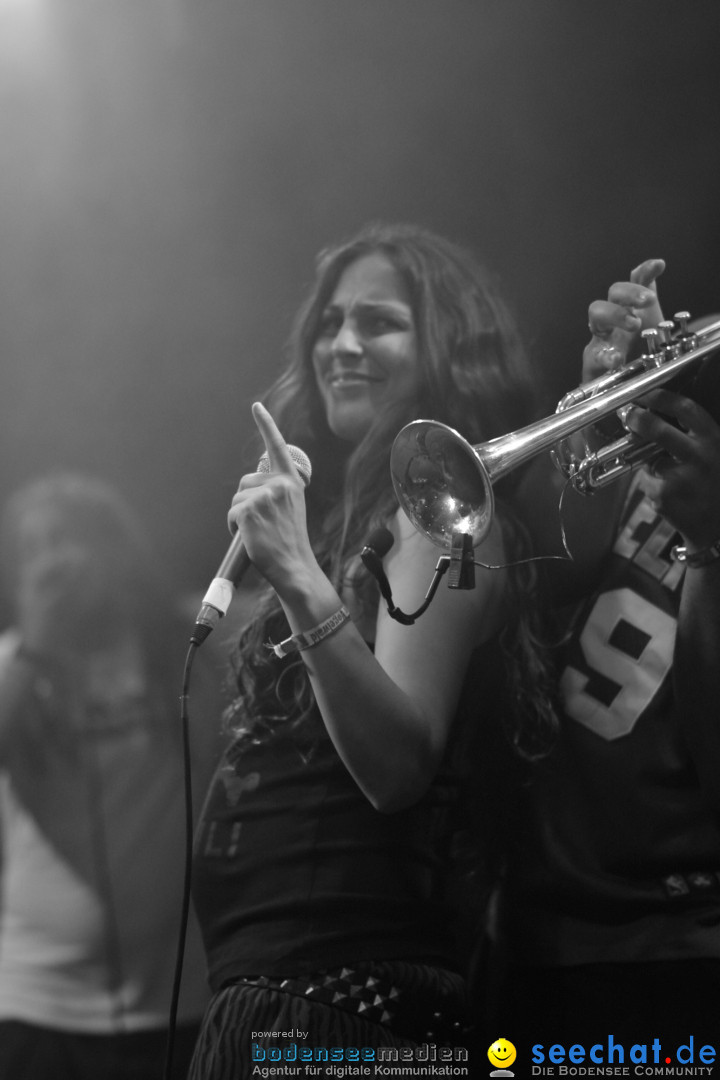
277 451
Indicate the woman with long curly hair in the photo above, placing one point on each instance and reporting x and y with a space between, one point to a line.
321 860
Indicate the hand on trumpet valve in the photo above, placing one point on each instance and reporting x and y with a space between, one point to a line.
615 323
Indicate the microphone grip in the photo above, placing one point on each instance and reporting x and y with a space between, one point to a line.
230 572
221 590
222 586
236 562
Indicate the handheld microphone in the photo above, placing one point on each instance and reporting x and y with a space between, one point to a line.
236 563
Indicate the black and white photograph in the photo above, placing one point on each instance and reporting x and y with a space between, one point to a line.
359 539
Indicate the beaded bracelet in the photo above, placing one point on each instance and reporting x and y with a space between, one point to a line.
693 559
307 638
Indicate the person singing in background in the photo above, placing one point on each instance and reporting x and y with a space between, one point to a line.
610 913
321 856
91 793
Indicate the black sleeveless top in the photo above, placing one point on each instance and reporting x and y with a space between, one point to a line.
295 871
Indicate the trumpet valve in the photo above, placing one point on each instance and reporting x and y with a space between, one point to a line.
670 346
666 329
651 339
685 338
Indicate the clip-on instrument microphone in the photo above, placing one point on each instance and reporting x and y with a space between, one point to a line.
459 562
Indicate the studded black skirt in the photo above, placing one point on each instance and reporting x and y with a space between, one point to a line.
349 1014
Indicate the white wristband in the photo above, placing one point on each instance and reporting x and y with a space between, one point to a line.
308 638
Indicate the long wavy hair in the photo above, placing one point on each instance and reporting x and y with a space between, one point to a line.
473 374
95 511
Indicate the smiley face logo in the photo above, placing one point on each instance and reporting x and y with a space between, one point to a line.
502 1053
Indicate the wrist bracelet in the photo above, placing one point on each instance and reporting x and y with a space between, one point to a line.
308 638
693 559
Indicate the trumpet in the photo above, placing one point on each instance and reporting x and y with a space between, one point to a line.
444 484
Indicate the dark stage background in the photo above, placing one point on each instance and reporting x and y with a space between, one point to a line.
170 167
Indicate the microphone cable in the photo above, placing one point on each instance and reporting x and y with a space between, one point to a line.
377 546
215 605
187 872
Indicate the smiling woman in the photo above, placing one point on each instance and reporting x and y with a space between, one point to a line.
365 355
324 853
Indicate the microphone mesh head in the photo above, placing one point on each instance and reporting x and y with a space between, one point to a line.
302 463
380 540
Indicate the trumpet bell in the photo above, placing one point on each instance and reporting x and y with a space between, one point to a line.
441 482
